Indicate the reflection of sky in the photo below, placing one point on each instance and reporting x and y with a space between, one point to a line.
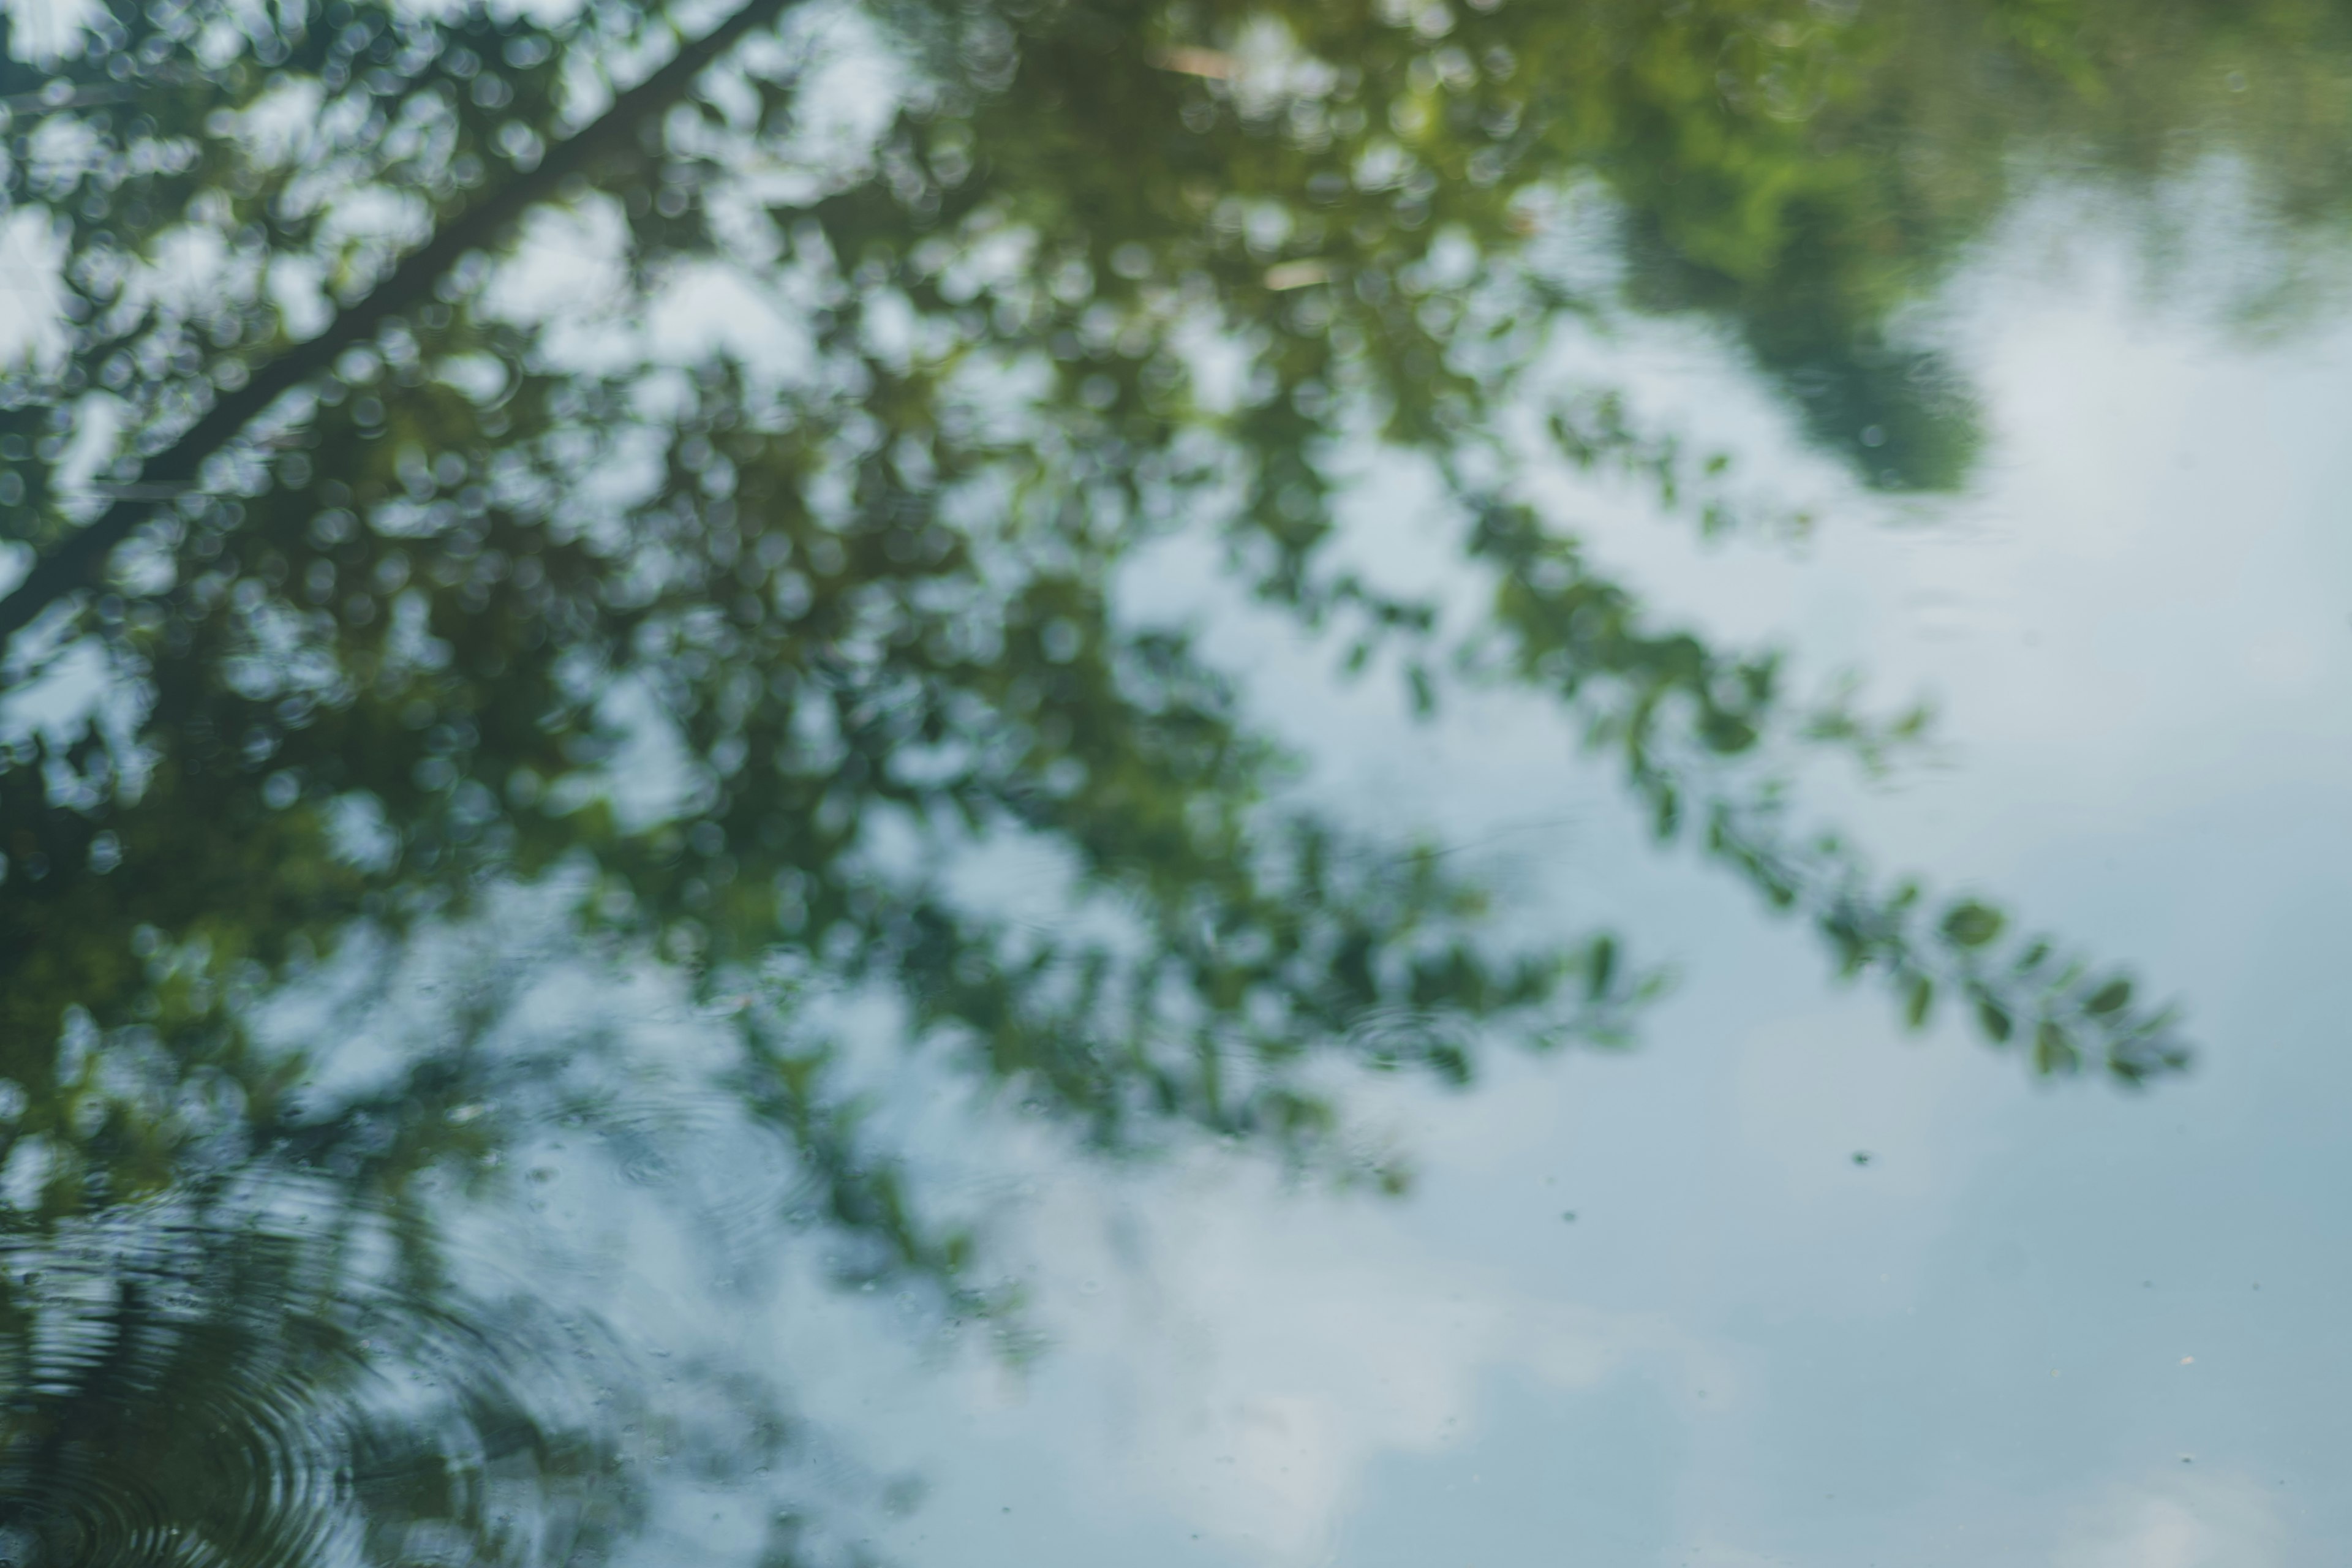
2043 1325
2052 1327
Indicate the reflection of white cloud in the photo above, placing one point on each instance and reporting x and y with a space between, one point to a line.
32 253
1717 1554
47 31
2226 1521
1270 1351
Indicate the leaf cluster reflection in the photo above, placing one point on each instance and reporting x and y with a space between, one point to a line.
738 649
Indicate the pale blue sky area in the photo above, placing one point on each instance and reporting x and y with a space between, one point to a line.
2050 1326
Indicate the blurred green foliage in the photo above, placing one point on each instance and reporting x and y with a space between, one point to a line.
414 632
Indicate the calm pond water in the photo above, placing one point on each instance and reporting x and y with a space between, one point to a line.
1212 784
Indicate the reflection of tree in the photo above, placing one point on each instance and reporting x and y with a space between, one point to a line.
186 1391
288 1358
269 1362
401 637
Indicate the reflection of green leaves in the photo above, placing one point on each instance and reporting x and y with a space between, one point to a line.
2112 997
1972 924
2054 1051
416 608
2075 1019
412 637
1922 997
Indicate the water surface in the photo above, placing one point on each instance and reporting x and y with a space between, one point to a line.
1217 786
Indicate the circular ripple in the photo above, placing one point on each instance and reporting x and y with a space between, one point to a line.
181 1392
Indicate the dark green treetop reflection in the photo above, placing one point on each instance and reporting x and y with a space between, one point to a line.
360 589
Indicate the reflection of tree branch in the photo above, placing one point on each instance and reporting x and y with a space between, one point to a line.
1685 717
72 563
2070 1015
61 96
